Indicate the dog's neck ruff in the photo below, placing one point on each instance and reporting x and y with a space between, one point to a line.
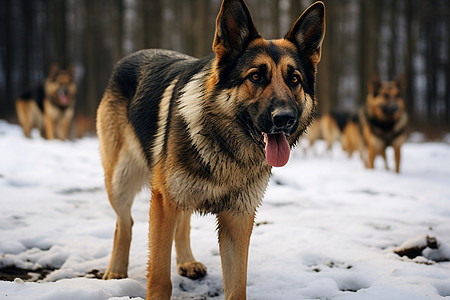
236 179
56 102
191 109
387 131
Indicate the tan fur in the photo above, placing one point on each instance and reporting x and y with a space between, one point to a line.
234 239
381 94
313 133
56 119
351 139
330 130
57 122
163 221
125 175
182 144
29 116
84 125
57 115
187 266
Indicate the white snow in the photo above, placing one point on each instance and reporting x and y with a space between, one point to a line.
326 230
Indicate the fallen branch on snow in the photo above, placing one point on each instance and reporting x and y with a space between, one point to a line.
424 245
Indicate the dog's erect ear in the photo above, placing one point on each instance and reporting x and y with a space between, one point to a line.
71 70
374 84
234 30
54 70
308 32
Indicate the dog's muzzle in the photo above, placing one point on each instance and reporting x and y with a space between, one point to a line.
390 110
284 120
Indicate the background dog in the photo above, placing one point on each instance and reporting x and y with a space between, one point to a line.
205 133
351 138
49 106
332 125
338 125
384 119
30 110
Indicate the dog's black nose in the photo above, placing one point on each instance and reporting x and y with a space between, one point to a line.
284 120
390 110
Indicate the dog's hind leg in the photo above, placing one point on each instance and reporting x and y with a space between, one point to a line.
118 265
234 239
128 177
397 158
125 174
25 116
186 263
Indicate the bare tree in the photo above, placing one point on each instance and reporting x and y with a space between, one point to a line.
363 37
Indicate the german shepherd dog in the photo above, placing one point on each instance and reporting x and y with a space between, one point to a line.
384 119
332 125
337 125
351 138
204 134
49 106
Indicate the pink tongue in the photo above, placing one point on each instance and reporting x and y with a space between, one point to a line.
63 98
277 149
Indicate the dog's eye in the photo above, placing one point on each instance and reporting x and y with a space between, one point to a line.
295 80
255 77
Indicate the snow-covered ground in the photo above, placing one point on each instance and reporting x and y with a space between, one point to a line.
327 228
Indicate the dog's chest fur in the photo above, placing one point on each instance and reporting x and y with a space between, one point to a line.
210 164
210 172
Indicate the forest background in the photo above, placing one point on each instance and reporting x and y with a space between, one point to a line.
363 37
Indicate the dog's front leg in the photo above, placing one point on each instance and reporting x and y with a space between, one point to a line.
397 158
383 155
49 123
234 240
370 157
65 124
163 220
187 265
49 127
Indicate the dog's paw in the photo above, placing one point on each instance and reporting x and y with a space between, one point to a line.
113 275
192 270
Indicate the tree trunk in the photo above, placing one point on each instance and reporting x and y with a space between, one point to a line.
325 77
59 32
368 44
203 39
410 52
8 57
90 76
117 9
447 68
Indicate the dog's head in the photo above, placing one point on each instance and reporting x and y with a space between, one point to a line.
385 99
60 87
272 81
